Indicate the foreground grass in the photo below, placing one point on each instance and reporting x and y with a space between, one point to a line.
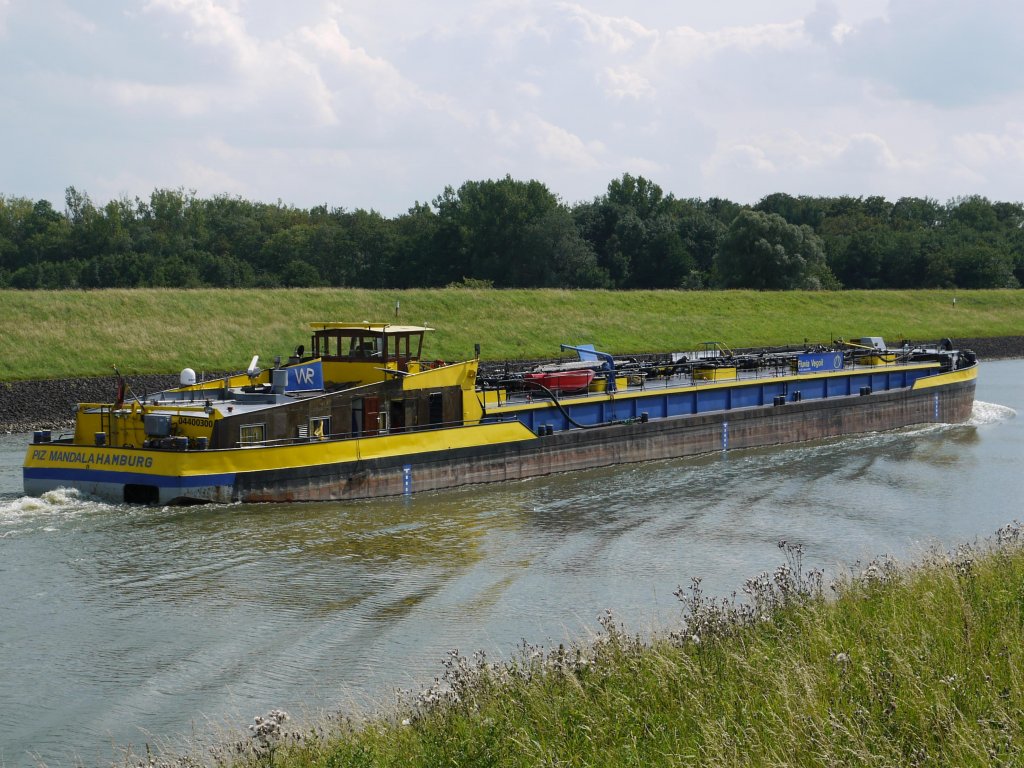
82 333
903 666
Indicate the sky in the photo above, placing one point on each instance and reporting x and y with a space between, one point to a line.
378 104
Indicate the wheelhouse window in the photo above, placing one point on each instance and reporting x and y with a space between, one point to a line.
252 434
372 342
365 346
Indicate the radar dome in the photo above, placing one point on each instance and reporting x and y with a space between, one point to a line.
188 377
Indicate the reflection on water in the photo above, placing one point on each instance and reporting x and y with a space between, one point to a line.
333 554
124 624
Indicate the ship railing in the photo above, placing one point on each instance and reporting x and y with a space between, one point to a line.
770 367
45 436
335 437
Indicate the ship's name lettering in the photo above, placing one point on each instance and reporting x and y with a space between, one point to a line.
104 459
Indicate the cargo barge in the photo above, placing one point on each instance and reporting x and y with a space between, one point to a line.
364 414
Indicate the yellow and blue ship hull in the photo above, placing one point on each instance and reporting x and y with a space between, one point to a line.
517 441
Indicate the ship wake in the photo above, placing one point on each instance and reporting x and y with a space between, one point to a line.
46 511
989 413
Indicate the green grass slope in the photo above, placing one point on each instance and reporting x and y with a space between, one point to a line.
894 666
82 333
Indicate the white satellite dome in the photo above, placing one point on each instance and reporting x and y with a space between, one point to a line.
188 377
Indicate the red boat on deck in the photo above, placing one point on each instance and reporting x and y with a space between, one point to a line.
563 382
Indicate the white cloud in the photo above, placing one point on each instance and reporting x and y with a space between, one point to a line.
947 54
207 176
626 83
740 158
617 35
213 24
529 90
379 105
987 149
836 164
822 22
341 65
73 19
550 143
181 100
558 145
252 73
866 152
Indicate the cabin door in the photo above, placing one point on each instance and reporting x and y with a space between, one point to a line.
371 415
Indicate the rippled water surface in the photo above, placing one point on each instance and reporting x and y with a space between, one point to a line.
126 625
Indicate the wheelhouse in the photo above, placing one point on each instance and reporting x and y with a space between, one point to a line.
381 343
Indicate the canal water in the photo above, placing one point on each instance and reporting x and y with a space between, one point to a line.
170 626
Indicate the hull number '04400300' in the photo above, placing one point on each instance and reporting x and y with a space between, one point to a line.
192 421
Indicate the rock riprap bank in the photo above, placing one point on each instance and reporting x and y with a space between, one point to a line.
51 403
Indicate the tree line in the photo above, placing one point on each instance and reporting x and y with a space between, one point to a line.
509 233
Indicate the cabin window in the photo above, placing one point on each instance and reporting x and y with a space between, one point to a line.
319 427
435 413
396 415
251 434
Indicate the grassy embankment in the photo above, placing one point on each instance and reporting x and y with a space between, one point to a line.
902 666
82 333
